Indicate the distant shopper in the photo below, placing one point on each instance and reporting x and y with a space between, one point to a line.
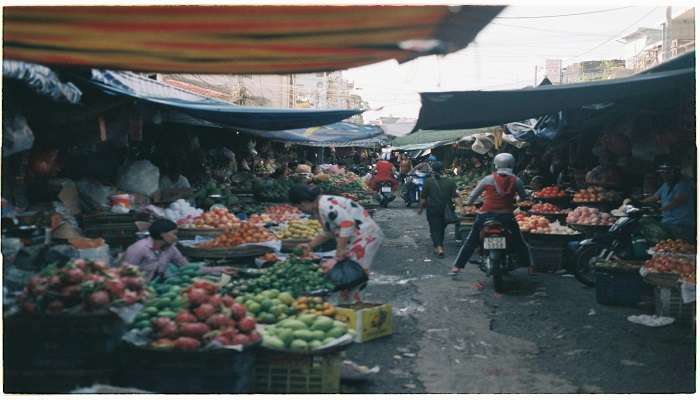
438 193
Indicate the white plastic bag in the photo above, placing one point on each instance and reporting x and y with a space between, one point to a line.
17 136
140 177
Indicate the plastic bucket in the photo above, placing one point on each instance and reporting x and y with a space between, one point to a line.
121 200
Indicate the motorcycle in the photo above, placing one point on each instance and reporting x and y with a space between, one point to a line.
414 184
384 194
496 255
616 242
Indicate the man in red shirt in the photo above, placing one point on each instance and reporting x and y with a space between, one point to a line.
385 172
499 190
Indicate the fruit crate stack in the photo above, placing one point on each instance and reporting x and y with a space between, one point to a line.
287 373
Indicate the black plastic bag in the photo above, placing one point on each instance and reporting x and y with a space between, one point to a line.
347 274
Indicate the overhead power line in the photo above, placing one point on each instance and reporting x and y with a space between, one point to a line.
566 15
611 38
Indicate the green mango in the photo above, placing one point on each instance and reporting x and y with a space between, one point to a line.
142 324
273 342
315 344
318 335
253 307
307 319
150 310
167 314
286 335
267 318
274 293
299 345
304 334
286 298
327 340
267 304
336 332
292 324
322 323
280 309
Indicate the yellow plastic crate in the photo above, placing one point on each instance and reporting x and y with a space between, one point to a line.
281 373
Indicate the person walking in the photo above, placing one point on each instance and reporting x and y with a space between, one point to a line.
438 193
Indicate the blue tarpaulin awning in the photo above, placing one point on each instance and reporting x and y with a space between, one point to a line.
329 135
471 109
212 110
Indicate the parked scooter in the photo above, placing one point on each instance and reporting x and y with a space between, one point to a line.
497 256
616 242
414 184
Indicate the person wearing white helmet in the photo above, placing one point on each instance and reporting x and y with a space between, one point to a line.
499 191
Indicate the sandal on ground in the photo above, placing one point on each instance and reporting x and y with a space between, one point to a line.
454 271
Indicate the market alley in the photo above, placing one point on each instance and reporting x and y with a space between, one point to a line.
546 335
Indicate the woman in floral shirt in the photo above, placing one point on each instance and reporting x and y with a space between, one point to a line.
357 236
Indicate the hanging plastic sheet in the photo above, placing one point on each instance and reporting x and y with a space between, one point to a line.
42 80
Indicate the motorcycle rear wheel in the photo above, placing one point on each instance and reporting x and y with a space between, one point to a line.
584 270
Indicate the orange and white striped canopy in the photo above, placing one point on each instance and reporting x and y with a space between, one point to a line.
235 39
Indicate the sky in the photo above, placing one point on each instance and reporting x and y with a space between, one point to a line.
504 54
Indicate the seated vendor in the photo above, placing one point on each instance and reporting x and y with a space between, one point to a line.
153 254
677 199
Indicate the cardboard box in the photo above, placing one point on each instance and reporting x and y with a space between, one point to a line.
370 321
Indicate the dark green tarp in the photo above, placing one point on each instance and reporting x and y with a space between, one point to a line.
472 109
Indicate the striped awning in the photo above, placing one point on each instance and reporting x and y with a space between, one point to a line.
236 39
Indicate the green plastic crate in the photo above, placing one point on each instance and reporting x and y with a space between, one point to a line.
281 373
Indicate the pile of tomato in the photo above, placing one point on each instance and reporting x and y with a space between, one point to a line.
550 192
545 208
245 233
675 246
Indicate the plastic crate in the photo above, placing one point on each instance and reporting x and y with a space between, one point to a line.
278 372
619 288
171 371
546 258
668 303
